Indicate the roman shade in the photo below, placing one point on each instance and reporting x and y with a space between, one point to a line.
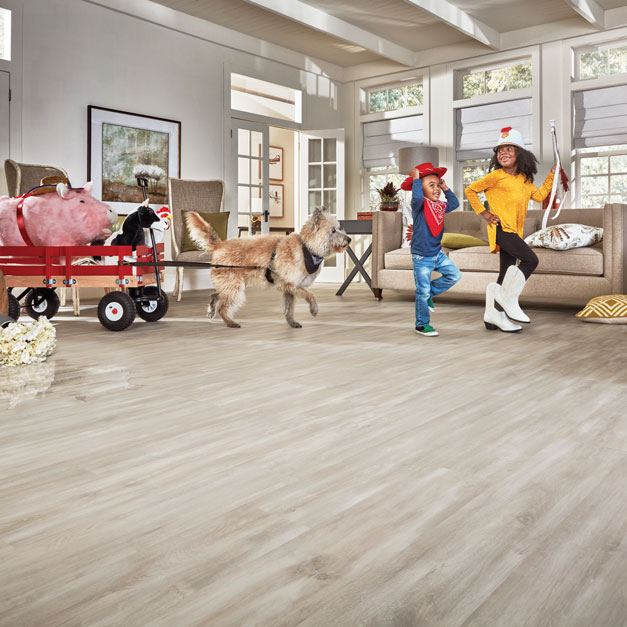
382 139
600 117
478 128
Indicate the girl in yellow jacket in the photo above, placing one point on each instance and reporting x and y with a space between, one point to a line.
508 188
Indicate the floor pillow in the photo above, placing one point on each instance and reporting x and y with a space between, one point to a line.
610 309
565 236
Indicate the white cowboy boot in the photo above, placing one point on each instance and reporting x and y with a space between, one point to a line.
494 319
507 297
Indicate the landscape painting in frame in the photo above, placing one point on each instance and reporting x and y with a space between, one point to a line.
124 146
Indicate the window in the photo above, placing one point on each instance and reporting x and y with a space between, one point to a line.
472 170
593 62
378 177
394 98
5 34
602 172
496 79
263 98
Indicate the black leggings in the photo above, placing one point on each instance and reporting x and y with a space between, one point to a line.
512 248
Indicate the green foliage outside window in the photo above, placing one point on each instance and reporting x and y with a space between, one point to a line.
603 179
595 63
494 81
472 171
395 98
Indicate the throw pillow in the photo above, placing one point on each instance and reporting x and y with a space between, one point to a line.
408 224
610 309
566 236
461 240
219 221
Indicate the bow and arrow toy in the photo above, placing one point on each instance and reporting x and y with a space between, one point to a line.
559 180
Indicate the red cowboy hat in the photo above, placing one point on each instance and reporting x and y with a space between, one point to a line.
424 169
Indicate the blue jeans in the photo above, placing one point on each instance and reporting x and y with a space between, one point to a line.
425 287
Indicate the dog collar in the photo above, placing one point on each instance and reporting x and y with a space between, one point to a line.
312 262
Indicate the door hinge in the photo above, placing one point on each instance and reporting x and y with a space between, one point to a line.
10 95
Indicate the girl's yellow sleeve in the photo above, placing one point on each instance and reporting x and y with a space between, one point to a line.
542 192
476 188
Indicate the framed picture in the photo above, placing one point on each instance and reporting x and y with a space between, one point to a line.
122 146
275 158
276 201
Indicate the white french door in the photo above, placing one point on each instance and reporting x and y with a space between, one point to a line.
250 150
322 185
4 124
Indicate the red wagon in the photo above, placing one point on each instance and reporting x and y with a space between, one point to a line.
42 269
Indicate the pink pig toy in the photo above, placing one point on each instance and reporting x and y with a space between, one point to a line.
65 217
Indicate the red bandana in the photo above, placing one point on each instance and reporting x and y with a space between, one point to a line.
434 214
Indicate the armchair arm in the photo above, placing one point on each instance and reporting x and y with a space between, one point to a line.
387 232
615 246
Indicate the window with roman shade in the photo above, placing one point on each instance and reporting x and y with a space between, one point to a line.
383 138
600 117
477 128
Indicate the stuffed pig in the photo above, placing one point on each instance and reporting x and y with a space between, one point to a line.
54 216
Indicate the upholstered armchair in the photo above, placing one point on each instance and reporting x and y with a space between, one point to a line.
187 195
22 177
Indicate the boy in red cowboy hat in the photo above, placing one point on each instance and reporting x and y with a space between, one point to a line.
508 188
426 184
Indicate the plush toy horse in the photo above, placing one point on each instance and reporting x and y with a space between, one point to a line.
132 232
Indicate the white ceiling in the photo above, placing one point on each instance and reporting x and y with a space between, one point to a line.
390 24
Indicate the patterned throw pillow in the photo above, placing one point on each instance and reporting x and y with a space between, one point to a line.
610 309
565 236
408 224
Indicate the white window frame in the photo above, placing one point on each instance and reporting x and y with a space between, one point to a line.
463 201
605 45
599 151
395 85
459 77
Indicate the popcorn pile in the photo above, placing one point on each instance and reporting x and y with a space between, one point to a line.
27 343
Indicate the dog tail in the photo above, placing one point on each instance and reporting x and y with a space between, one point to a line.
201 232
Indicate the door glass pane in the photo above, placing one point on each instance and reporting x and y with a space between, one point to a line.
243 199
315 176
329 200
243 219
329 175
243 170
330 262
256 140
315 200
315 150
255 171
243 141
329 149
255 200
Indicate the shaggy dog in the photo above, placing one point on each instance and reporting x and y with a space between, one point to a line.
290 262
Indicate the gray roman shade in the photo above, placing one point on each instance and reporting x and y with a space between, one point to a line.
382 139
600 117
478 127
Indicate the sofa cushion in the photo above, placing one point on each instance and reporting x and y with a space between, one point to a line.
580 261
399 259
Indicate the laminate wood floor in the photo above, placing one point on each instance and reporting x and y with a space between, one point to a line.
349 473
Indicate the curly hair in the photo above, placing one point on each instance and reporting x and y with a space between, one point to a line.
526 163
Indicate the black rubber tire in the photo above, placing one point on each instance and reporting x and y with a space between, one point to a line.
48 307
116 311
14 307
156 309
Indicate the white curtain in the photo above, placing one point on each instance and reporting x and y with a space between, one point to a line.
382 139
600 117
478 127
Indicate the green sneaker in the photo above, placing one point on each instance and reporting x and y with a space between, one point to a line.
430 304
427 331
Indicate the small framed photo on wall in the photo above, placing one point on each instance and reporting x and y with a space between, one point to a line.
275 159
276 201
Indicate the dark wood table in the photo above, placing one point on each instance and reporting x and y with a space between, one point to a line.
357 227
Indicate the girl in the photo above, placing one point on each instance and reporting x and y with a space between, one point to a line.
508 188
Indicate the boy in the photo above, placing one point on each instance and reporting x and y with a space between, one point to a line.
428 211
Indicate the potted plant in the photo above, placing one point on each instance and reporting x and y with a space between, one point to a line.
389 197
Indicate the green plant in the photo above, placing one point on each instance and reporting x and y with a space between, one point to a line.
389 193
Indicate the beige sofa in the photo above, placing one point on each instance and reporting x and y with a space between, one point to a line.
562 277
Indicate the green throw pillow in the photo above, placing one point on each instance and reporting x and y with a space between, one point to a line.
461 240
219 222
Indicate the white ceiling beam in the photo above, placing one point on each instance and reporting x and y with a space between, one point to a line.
590 11
321 21
451 15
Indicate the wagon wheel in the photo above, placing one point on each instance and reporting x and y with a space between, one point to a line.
14 307
41 301
116 311
153 310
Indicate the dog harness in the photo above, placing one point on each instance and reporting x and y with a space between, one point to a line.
312 263
269 268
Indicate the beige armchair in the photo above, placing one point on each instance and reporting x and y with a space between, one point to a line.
21 177
186 195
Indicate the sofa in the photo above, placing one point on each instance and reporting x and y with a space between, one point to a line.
569 277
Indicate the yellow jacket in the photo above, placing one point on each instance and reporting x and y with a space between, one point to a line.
508 197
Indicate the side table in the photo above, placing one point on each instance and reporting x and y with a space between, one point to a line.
357 227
